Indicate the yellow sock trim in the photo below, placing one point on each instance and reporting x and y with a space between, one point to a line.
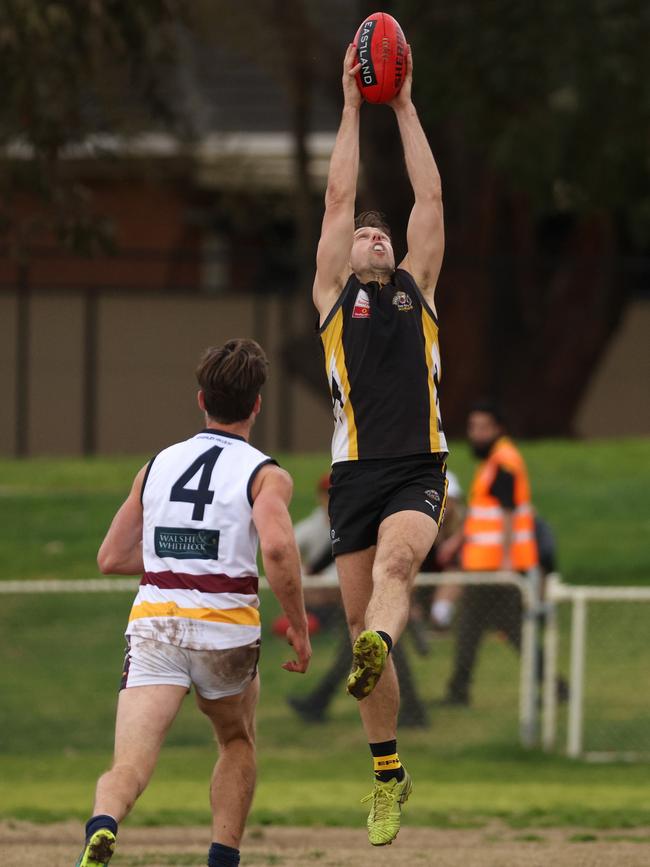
387 763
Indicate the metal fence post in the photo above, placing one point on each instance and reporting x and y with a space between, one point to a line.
528 683
576 686
549 700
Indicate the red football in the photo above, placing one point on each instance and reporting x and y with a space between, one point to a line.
381 51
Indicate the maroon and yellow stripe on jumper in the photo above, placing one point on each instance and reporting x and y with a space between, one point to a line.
245 615
214 583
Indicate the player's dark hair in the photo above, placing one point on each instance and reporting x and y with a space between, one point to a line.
231 377
374 219
489 407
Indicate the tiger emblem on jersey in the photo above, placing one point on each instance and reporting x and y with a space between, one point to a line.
402 301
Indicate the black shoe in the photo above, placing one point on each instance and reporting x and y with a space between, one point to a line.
306 710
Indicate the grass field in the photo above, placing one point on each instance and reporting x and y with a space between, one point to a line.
62 656
595 496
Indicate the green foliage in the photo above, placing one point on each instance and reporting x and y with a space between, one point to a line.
71 71
556 96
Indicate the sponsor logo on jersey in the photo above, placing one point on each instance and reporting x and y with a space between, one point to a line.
402 301
361 308
183 543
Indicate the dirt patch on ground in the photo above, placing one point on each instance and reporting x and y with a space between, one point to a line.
23 845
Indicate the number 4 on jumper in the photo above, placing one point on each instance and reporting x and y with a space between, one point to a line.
202 496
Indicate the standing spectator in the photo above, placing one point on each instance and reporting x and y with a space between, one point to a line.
498 534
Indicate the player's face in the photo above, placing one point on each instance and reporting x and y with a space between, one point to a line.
371 251
482 430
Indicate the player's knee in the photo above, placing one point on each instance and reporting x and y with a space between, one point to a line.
241 739
129 778
397 565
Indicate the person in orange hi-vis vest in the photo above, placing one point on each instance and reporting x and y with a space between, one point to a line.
498 534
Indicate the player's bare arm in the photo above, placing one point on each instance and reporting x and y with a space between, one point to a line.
425 234
272 491
121 551
333 255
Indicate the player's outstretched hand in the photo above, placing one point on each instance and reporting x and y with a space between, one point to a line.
351 93
403 98
299 640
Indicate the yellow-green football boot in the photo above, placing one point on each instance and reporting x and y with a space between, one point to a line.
386 812
98 849
369 654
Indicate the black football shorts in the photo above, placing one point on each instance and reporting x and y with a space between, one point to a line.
364 492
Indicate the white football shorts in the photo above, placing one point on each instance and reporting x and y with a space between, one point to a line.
214 673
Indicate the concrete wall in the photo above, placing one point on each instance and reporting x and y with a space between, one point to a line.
147 348
617 400
55 375
7 373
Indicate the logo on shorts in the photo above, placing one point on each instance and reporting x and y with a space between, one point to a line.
435 496
361 308
402 301
334 537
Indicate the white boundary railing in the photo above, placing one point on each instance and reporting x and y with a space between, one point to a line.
528 585
579 596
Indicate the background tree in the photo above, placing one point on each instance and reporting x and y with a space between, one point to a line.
540 119
75 72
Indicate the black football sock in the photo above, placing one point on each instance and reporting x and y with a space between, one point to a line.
386 761
101 821
385 637
223 856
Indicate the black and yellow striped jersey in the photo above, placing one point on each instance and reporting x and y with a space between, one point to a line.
383 367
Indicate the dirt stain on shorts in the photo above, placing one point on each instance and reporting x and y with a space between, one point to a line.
214 673
226 671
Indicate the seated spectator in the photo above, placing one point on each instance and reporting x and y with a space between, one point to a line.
444 556
314 542
315 546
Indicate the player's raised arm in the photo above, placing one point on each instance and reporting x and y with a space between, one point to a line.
333 256
121 551
426 233
271 495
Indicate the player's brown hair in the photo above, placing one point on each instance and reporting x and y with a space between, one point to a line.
374 219
231 377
